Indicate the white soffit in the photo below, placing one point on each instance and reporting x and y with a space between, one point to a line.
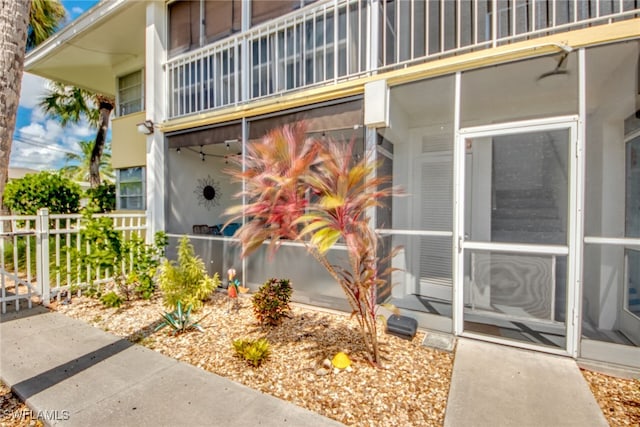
87 50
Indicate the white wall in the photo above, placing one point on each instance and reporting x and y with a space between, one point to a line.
610 99
185 208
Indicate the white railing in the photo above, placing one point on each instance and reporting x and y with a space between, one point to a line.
301 49
334 40
415 30
320 44
45 256
205 79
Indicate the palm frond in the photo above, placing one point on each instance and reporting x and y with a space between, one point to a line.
70 104
45 17
77 166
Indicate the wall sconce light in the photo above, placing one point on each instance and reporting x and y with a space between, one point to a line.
146 127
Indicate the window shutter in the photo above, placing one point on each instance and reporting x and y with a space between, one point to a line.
263 10
436 214
184 27
221 18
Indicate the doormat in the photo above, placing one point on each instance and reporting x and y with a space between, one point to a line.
439 341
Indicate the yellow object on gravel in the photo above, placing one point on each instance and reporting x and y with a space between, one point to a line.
341 361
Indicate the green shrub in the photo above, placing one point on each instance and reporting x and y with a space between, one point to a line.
187 280
92 291
106 243
271 302
26 195
180 321
103 197
145 260
111 299
112 252
255 352
125 285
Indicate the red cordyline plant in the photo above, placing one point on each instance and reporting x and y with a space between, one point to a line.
316 192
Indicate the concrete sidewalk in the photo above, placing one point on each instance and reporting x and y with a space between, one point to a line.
494 385
79 375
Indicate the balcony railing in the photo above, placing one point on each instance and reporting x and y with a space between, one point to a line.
416 30
335 40
317 45
205 79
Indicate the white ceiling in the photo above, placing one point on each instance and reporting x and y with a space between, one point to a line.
92 57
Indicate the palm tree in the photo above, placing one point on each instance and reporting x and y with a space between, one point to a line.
79 169
21 23
70 104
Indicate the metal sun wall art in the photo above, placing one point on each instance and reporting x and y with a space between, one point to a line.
208 192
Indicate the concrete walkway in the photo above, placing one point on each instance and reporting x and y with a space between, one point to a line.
495 385
79 375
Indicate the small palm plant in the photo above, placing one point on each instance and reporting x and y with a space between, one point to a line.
180 320
279 174
186 280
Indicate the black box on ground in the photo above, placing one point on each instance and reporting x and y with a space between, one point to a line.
402 326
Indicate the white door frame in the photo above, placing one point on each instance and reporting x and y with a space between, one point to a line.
572 124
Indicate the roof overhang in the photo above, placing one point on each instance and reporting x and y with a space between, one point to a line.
89 51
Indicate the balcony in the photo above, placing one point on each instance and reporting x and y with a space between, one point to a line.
336 40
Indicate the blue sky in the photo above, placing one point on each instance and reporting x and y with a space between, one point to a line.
39 142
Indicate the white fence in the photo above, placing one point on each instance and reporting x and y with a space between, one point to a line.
45 256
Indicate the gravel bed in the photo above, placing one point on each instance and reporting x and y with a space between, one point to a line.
411 389
619 398
13 412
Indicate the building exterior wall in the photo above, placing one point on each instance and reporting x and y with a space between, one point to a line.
128 146
431 98
442 80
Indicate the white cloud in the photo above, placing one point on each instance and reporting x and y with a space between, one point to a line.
42 143
82 130
33 130
32 90
77 10
37 115
48 132
33 157
38 146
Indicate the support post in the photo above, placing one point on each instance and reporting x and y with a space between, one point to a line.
42 256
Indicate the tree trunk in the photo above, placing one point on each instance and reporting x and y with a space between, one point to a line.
106 106
14 24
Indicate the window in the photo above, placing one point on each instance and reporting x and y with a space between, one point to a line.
191 25
130 93
130 189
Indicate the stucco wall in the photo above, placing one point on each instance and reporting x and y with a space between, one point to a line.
128 147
